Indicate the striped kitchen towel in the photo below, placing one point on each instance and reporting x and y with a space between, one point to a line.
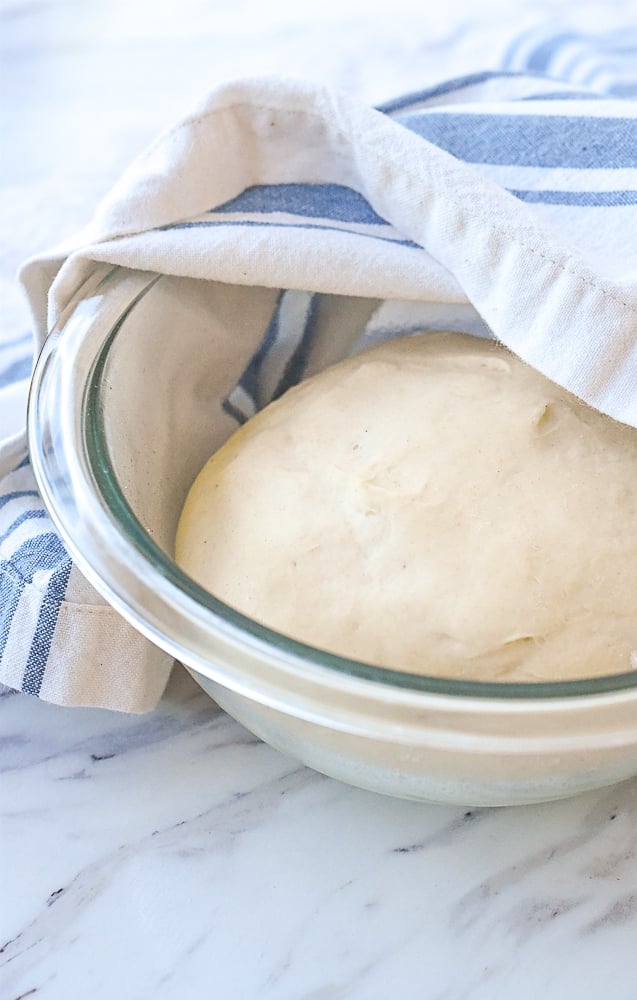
502 204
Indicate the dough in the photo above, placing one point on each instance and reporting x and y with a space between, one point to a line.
432 505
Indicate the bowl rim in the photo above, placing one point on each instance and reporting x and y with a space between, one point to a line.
106 482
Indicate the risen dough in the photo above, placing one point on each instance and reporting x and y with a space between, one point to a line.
432 505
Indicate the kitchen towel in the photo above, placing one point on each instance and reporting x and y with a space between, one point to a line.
504 204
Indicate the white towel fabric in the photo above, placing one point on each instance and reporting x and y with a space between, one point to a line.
502 204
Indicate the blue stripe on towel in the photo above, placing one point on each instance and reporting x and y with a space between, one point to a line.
45 629
40 553
250 378
265 224
298 360
312 201
18 371
43 552
22 338
26 515
566 95
531 140
605 60
279 192
233 411
280 360
623 89
591 199
15 495
11 588
540 58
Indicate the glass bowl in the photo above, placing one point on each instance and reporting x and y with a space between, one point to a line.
125 407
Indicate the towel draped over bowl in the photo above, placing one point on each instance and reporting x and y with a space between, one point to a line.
501 204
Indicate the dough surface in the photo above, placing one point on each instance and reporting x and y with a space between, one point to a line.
432 505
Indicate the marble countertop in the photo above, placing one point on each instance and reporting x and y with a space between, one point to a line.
173 855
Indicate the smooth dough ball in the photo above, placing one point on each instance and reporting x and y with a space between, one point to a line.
432 505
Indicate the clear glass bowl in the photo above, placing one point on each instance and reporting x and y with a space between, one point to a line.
125 407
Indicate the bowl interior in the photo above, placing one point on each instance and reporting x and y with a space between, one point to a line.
155 414
174 360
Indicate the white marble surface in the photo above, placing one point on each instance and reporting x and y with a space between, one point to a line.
174 855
